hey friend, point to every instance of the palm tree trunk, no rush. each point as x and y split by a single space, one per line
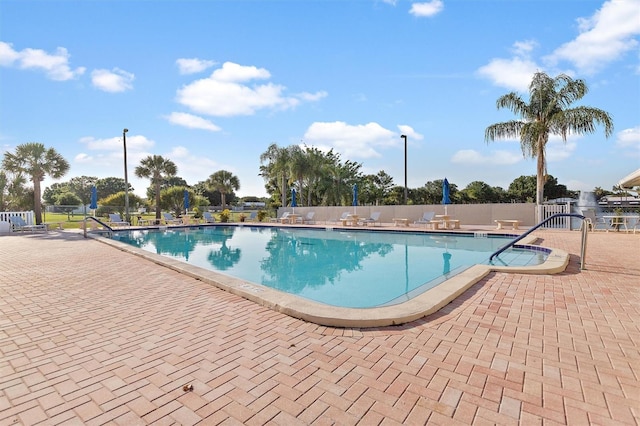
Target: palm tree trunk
37 205
541 171
283 195
158 209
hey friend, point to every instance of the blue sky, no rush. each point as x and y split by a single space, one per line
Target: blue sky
211 84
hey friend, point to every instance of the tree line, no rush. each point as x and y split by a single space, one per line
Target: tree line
32 162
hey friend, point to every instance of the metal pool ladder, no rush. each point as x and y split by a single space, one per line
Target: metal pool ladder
584 228
109 229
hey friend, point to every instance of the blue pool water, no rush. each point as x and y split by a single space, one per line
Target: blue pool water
356 269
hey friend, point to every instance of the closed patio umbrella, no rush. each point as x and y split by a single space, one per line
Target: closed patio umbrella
94 199
186 201
445 194
294 201
355 197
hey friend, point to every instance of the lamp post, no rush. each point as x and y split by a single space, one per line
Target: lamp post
405 168
126 178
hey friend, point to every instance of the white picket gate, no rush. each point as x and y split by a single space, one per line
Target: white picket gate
547 210
28 217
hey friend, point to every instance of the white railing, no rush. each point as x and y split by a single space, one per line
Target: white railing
547 210
28 217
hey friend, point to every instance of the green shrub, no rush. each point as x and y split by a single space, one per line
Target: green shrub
262 214
225 215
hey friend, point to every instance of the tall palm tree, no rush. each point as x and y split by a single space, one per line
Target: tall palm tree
299 167
34 160
156 167
276 169
547 113
224 182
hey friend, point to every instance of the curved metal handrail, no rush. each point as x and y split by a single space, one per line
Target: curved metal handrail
100 222
584 235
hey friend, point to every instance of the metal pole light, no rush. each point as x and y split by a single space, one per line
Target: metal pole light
126 177
405 168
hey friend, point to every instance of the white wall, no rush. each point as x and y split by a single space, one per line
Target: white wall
468 214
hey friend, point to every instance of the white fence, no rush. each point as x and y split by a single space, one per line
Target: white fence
547 210
28 217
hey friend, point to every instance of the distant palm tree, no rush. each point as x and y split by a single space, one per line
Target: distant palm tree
223 182
276 169
155 167
547 113
36 161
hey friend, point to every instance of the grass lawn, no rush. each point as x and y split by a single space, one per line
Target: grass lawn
75 221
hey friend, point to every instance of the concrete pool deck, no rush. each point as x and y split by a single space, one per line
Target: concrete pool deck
93 335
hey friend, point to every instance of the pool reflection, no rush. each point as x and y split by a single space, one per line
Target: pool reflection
295 263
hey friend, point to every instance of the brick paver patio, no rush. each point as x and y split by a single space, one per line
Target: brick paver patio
92 335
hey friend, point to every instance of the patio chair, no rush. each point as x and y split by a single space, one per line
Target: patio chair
116 220
426 219
208 217
308 219
374 218
252 217
342 218
282 219
18 224
593 220
170 219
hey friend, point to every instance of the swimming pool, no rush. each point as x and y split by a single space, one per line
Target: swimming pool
348 269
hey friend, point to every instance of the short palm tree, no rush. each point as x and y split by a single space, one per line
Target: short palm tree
156 167
547 113
223 182
34 160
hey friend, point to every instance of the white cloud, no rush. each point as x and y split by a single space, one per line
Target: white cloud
227 93
312 97
134 143
83 158
514 73
603 38
353 141
231 72
427 9
629 138
191 121
113 81
193 65
557 150
470 156
194 168
55 66
411 134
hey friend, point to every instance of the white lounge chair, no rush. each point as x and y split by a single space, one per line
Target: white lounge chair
307 219
208 217
593 221
374 218
116 220
426 219
342 218
19 224
282 219
169 219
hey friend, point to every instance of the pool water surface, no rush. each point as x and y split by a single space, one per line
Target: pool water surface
353 269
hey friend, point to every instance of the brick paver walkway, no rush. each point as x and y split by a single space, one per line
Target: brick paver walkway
92 335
